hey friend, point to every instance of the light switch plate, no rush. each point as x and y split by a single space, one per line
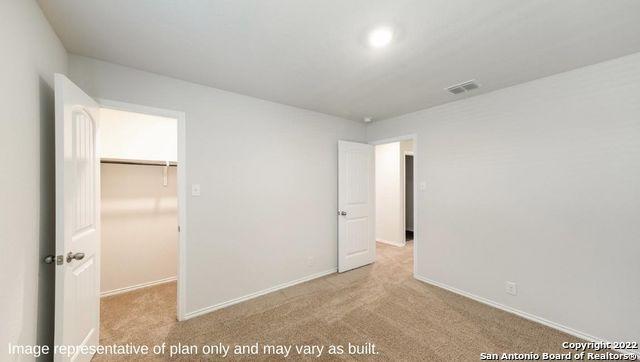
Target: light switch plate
423 186
195 190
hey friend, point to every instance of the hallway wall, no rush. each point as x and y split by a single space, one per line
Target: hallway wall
390 193
389 205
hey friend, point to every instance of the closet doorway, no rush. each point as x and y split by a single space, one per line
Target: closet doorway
142 212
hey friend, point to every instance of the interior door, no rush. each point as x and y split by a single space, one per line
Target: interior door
77 309
356 208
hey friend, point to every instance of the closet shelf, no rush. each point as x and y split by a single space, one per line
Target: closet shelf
138 162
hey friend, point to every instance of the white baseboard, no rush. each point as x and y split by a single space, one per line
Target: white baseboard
520 313
214 307
394 243
137 286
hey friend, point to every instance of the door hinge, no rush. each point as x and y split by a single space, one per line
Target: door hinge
178 228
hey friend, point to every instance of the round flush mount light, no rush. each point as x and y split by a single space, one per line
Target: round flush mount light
380 37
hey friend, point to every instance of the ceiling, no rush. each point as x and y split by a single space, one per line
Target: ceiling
313 54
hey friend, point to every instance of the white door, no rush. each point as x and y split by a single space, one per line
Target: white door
77 308
356 208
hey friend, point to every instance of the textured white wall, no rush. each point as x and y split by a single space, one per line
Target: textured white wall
135 136
139 218
389 205
390 201
268 174
31 54
537 184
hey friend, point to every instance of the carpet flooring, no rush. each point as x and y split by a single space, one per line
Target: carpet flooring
381 304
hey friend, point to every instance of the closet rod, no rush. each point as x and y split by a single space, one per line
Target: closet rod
135 162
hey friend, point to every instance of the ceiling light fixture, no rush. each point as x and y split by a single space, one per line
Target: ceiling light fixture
380 37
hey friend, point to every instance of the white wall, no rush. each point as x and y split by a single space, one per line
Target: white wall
139 218
537 184
136 136
30 54
390 201
268 177
389 205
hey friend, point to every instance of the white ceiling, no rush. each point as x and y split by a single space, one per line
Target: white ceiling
313 54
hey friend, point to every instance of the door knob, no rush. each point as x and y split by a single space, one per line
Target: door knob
342 213
74 256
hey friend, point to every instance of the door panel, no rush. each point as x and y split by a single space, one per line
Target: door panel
356 239
77 309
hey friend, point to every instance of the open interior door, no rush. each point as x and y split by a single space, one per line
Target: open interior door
77 309
356 205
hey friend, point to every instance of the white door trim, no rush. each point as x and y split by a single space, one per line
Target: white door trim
409 137
404 187
182 187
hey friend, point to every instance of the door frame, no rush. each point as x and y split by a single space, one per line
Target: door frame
408 137
405 154
181 184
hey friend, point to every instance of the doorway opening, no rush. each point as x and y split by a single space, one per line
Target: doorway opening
142 208
395 198
408 195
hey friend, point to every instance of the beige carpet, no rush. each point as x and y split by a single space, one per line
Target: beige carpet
381 304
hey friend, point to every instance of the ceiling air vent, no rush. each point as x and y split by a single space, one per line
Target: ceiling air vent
463 87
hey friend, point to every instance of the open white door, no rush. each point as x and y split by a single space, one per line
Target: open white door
77 309
356 208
